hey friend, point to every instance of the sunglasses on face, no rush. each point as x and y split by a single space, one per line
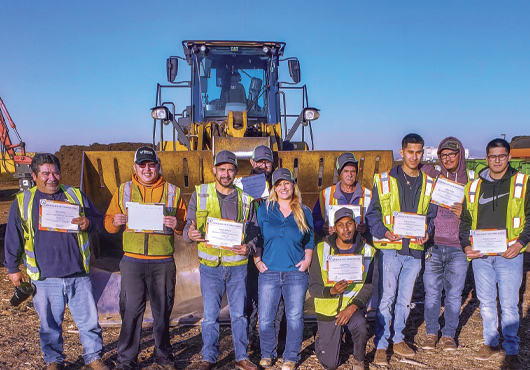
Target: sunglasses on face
149 165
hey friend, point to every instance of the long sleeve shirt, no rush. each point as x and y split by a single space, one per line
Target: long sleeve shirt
229 209
283 243
57 253
317 289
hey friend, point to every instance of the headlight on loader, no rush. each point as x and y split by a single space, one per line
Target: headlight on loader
160 113
311 114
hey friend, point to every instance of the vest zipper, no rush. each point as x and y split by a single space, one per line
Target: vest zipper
146 244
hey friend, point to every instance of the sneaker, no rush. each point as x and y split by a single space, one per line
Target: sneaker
429 342
486 352
288 365
512 362
403 350
265 362
380 357
357 365
447 344
96 365
54 366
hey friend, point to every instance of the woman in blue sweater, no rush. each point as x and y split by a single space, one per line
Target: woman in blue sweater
287 230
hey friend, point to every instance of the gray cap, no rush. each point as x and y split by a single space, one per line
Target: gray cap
225 156
145 154
262 152
282 174
450 144
344 159
344 212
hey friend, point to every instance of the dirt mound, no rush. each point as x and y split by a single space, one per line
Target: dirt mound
71 157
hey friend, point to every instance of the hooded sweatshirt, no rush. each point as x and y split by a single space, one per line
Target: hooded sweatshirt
446 224
493 207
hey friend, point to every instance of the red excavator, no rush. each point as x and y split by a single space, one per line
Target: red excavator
16 152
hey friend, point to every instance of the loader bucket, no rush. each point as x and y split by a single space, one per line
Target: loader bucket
103 172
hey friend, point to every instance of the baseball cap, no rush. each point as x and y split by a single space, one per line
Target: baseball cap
282 174
145 154
450 144
344 212
225 156
344 159
262 152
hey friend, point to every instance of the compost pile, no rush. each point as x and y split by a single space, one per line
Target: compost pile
71 156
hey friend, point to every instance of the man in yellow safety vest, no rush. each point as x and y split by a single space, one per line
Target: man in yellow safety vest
222 269
343 302
497 202
404 192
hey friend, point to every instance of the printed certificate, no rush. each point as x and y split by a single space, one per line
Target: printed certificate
255 186
409 225
447 192
57 216
145 217
225 234
357 211
347 267
491 242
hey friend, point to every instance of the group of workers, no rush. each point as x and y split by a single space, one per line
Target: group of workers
286 250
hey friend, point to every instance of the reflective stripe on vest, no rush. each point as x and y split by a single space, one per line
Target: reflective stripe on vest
25 205
327 198
149 244
208 206
388 191
330 306
515 217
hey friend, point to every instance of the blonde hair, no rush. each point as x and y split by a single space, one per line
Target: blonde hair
296 207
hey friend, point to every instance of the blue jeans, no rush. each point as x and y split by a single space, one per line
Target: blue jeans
214 282
292 285
397 275
507 274
445 269
50 300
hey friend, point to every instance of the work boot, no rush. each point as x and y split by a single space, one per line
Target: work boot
205 365
288 365
357 365
265 362
447 344
403 350
486 352
54 366
245 364
380 357
512 362
96 365
429 342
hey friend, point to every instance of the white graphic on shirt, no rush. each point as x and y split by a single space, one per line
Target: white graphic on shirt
483 200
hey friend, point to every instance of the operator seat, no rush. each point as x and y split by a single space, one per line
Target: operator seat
235 93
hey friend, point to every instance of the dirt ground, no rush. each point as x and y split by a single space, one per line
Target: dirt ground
20 349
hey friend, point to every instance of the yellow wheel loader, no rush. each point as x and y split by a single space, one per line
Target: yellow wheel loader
237 101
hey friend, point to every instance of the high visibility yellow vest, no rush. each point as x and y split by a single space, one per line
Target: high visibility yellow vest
326 198
144 243
25 207
515 218
208 206
332 306
387 188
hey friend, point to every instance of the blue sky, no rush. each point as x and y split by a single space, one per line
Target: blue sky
79 72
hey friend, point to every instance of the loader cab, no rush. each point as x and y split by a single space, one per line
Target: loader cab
234 78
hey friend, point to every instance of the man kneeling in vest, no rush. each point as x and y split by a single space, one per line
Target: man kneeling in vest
222 270
147 265
57 262
341 303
